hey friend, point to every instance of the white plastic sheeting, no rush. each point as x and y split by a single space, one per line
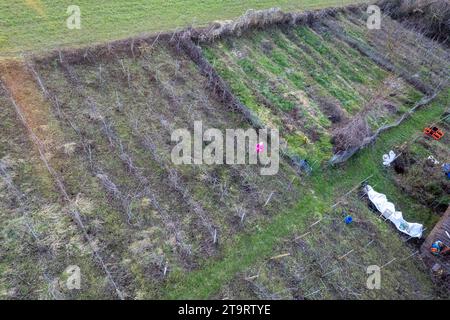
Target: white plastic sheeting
387 209
389 158
433 160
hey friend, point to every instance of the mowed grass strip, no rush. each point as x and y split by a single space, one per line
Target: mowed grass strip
249 248
40 25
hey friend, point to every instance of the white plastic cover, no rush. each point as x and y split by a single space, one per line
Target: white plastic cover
433 159
387 209
388 158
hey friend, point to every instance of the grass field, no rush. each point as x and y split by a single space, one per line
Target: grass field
86 177
249 250
41 24
289 79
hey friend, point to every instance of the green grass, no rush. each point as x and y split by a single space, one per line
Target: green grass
22 257
277 72
189 89
41 24
318 192
249 248
318 253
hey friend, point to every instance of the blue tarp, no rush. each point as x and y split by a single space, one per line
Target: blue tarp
446 169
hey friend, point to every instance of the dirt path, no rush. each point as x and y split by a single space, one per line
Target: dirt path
31 105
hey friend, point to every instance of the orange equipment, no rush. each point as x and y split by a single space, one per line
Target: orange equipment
434 132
